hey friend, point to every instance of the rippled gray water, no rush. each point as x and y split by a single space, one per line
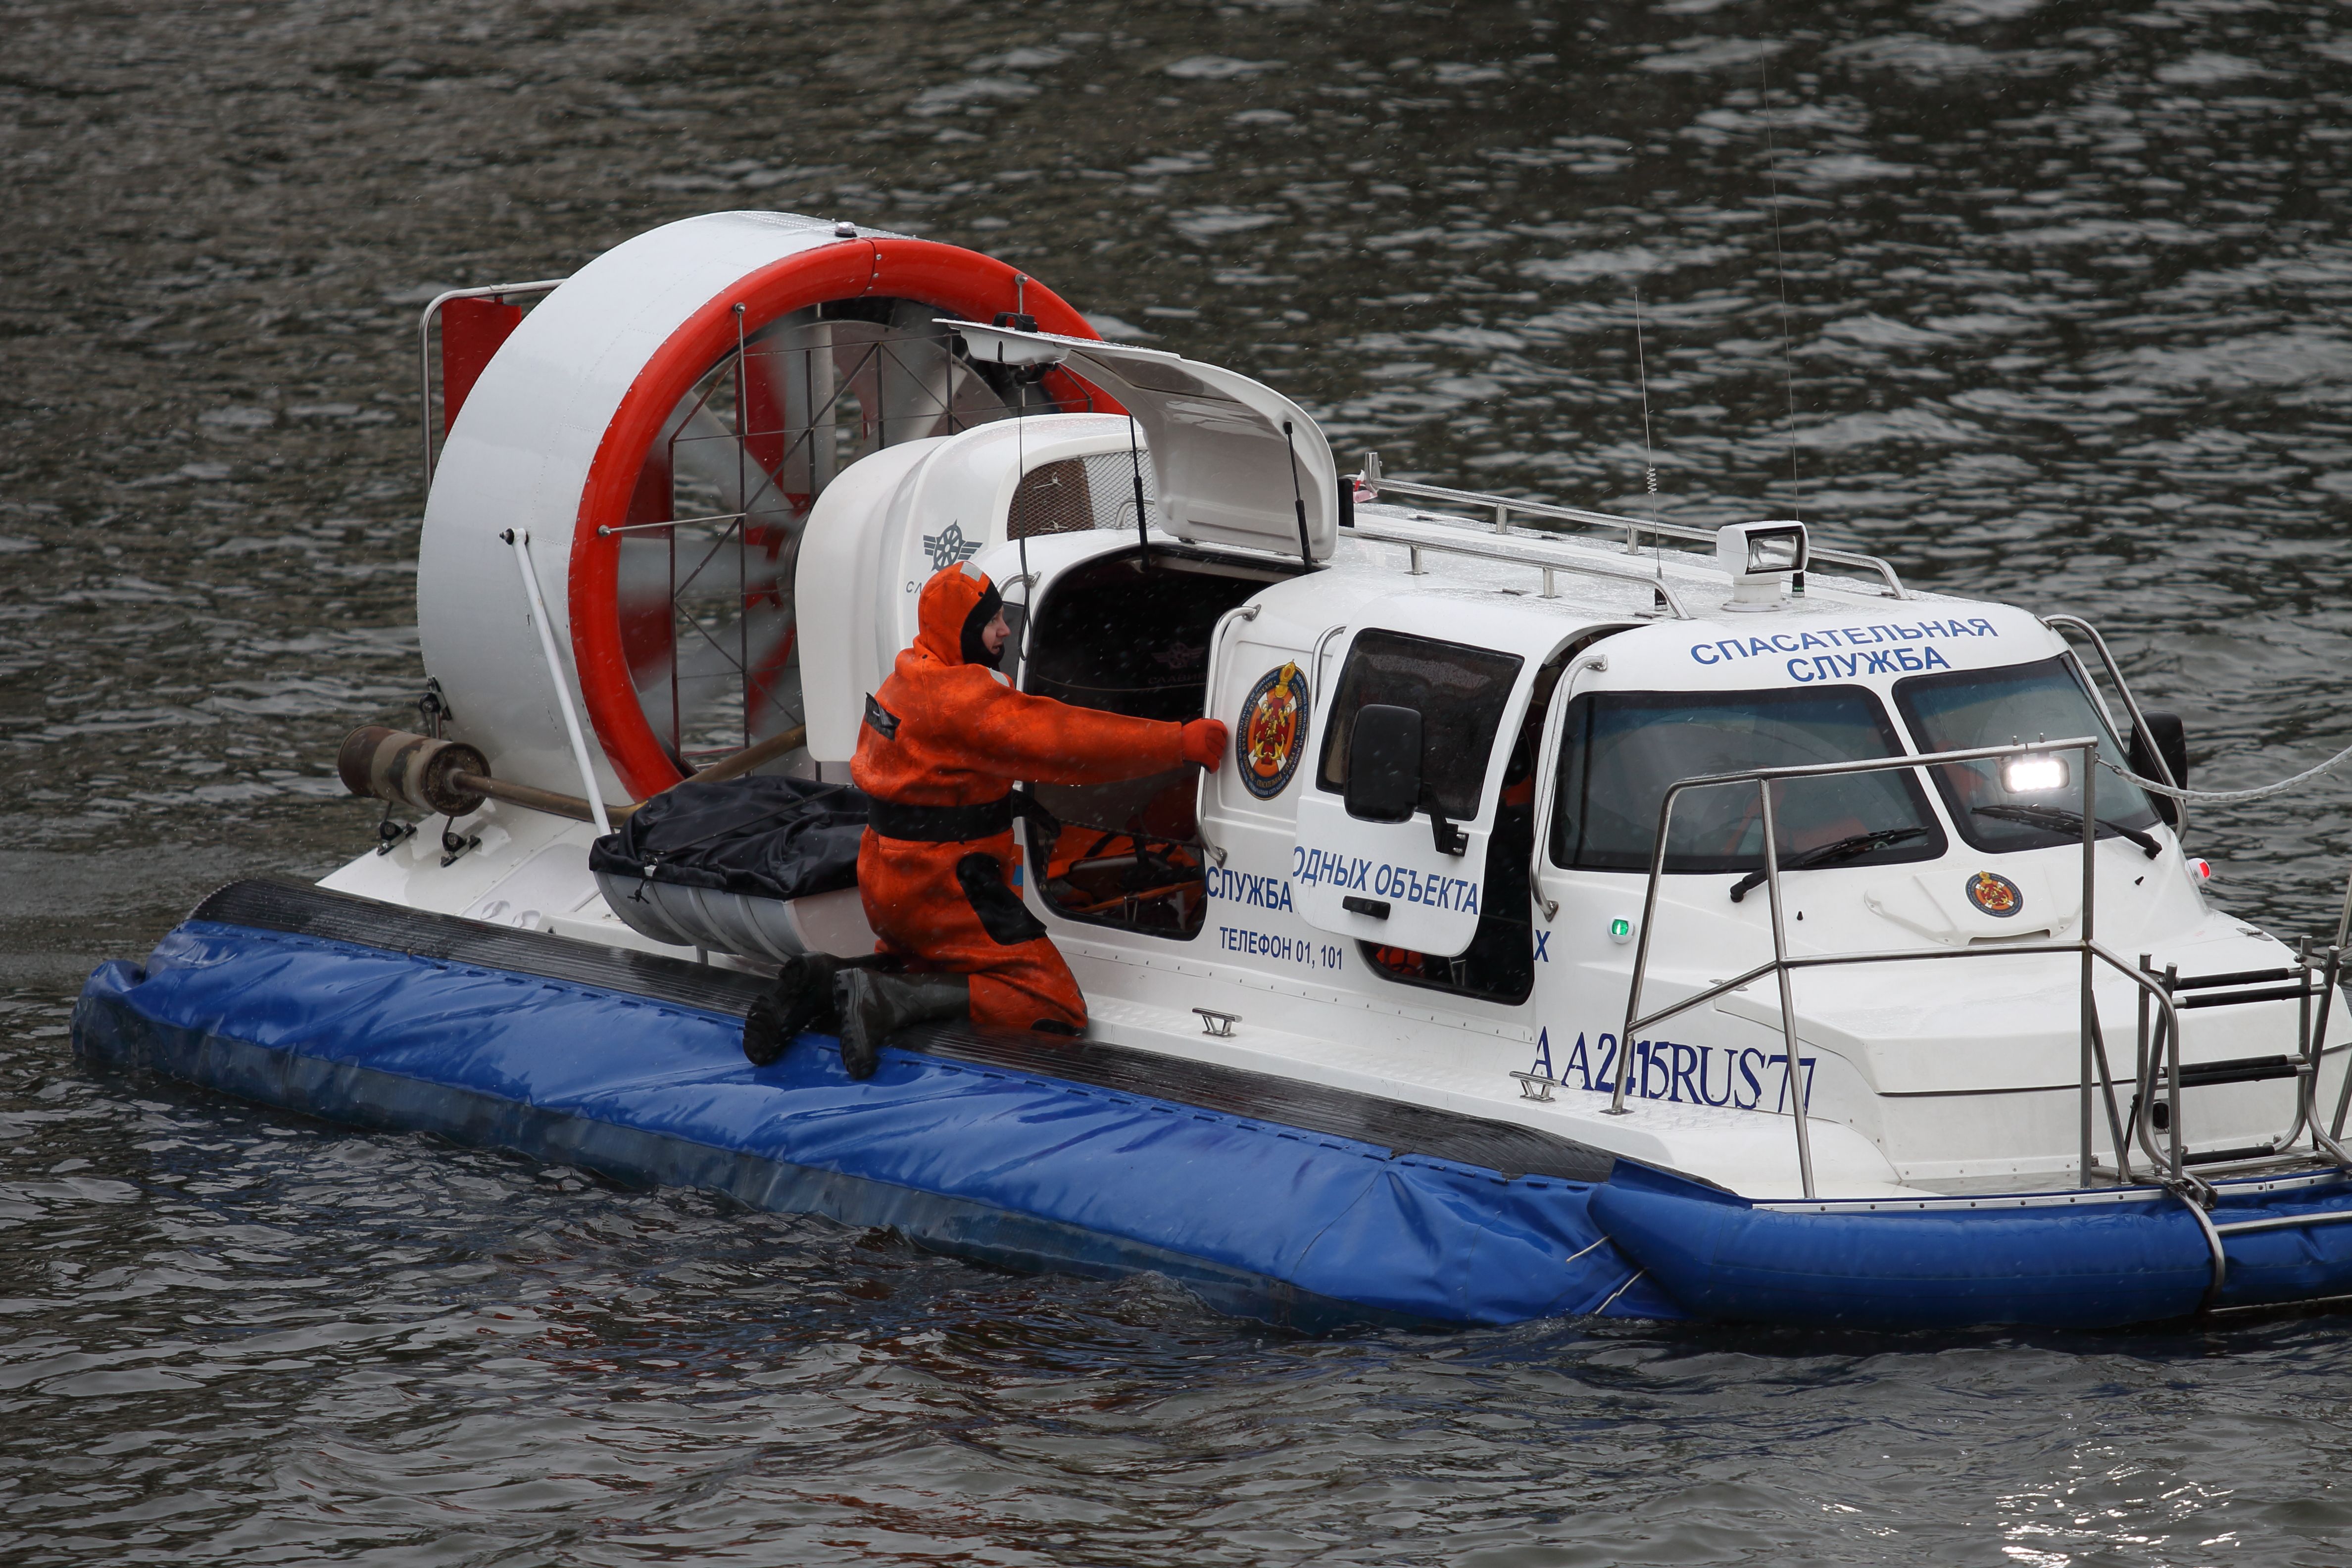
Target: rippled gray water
2066 288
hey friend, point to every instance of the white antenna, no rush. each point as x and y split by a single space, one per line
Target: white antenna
1781 271
1021 477
1649 457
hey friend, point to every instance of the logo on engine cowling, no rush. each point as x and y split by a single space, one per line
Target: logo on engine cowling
1995 894
949 547
1272 731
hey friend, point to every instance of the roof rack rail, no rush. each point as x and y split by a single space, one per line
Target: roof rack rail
1503 507
1452 538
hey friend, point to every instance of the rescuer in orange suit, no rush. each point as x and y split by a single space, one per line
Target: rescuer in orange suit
943 740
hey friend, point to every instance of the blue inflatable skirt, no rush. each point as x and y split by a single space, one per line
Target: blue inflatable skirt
2098 1259
1304 1205
495 1038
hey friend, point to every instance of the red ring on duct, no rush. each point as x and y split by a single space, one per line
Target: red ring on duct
949 279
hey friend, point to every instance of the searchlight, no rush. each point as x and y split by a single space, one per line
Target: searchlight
1761 558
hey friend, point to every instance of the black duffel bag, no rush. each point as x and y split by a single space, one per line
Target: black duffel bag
762 836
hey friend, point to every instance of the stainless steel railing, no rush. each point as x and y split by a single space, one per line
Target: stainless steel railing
1783 965
1550 559
424 350
2062 625
2313 978
1504 508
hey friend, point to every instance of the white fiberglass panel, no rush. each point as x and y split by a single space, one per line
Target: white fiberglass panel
1238 463
520 454
891 520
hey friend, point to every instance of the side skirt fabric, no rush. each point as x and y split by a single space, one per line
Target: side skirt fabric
2078 1265
1006 1166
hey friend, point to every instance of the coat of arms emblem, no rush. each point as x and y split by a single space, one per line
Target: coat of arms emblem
1994 894
1272 731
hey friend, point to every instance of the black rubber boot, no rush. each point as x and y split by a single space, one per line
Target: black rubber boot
873 1007
802 998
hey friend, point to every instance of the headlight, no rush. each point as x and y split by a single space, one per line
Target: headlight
2035 772
1776 550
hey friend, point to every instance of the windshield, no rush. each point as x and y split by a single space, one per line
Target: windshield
1460 693
1620 750
1970 708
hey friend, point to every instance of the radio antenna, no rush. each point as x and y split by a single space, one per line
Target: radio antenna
1649 457
1020 475
1781 271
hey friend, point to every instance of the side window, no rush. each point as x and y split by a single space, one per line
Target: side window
1460 692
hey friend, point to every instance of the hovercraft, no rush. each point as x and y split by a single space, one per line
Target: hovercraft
1595 916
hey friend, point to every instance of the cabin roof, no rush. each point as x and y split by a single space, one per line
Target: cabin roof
1591 578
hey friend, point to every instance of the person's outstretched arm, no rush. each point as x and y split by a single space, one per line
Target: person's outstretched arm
1036 737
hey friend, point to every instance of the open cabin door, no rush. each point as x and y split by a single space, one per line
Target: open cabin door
1406 761
1121 630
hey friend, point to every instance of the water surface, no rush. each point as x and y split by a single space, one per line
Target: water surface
2057 316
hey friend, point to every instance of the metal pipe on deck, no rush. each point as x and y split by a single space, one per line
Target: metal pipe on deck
450 778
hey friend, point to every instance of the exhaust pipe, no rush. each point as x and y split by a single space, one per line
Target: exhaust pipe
388 765
450 778
447 778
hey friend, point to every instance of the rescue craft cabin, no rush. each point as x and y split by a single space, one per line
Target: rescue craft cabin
1468 923
1318 943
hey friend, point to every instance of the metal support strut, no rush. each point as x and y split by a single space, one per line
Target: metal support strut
596 796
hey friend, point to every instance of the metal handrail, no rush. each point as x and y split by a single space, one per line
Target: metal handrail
424 350
2342 928
1781 965
2131 706
2311 1053
2171 1161
1417 541
1503 506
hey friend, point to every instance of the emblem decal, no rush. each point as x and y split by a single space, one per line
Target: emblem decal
949 547
1994 894
1273 735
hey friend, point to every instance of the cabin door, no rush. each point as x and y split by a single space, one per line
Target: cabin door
1121 633
1394 823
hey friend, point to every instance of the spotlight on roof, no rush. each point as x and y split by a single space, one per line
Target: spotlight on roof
1760 558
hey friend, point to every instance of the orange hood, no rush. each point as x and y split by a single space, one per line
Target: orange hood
955 607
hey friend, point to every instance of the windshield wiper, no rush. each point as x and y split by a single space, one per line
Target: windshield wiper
1852 849
2058 820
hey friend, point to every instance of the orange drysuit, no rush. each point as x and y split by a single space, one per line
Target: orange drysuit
942 743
